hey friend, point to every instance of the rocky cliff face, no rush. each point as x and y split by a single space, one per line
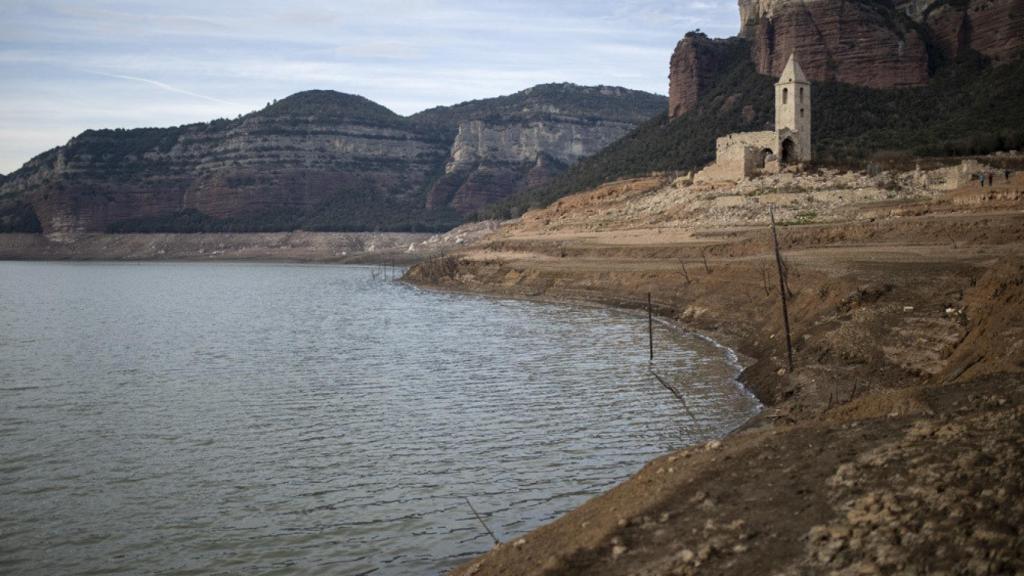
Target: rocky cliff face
308 152
321 160
871 43
490 161
695 63
866 43
994 28
505 146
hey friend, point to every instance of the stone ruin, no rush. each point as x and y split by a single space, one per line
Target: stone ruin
747 154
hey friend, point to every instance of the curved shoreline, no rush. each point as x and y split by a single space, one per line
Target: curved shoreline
742 362
865 322
734 358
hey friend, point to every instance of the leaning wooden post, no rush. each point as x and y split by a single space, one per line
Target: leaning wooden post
650 326
782 290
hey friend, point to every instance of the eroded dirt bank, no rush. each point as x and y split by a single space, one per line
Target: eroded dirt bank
894 446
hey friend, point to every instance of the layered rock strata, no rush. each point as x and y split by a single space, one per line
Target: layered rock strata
325 161
862 43
695 63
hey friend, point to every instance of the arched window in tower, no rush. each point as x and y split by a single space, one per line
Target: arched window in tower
801 112
801 95
785 95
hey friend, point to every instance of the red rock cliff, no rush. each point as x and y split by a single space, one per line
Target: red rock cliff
994 28
872 43
863 43
692 71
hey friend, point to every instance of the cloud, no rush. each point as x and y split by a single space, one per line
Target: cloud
167 87
176 61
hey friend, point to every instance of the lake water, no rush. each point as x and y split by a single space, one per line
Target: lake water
290 419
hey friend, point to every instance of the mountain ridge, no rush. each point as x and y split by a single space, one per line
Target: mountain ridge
318 160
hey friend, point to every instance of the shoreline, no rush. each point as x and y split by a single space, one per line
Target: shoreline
297 246
738 360
896 337
895 436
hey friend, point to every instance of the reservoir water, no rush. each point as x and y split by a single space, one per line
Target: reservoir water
291 419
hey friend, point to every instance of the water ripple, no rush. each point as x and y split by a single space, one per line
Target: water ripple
235 419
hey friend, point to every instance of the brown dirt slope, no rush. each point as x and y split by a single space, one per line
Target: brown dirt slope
893 447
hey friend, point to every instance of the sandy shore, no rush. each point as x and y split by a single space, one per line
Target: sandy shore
893 447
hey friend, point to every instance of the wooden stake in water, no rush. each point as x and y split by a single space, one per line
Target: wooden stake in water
481 520
650 325
782 290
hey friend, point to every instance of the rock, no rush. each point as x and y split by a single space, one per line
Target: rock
866 44
862 568
619 550
922 429
492 159
693 71
993 27
707 504
687 555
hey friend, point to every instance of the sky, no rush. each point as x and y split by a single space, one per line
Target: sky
67 66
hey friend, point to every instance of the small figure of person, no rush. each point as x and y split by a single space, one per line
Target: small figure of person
981 179
1007 174
990 176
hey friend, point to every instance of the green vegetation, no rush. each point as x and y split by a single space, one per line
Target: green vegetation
801 218
598 102
328 105
18 216
969 108
118 144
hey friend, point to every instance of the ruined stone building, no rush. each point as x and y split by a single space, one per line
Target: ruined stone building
746 154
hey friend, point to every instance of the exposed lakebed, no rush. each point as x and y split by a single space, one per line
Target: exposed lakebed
248 418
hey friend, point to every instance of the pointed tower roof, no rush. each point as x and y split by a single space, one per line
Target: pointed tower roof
792 72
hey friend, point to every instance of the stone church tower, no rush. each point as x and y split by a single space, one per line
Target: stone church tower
747 154
793 114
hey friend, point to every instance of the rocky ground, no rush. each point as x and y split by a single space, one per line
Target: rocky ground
893 447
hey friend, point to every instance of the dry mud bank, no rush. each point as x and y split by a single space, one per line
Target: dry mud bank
895 445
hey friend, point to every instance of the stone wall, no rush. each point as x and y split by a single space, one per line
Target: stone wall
726 145
738 156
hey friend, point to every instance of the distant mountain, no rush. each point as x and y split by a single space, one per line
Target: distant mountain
513 144
599 102
319 160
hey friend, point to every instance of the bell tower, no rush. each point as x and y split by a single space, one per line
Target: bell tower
793 114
